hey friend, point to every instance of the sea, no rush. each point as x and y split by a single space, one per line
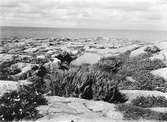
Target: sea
7 32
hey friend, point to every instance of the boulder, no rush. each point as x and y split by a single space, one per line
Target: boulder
162 72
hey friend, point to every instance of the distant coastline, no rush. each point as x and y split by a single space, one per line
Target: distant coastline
47 32
109 29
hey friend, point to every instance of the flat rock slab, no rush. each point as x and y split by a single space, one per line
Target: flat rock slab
7 86
159 109
79 110
138 51
160 73
88 58
162 45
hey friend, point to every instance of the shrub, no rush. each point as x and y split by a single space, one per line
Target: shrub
21 104
153 49
65 57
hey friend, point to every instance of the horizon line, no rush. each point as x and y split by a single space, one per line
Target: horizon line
81 28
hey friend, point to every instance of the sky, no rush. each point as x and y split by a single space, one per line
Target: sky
105 14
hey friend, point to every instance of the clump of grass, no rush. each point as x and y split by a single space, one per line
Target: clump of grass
150 101
86 82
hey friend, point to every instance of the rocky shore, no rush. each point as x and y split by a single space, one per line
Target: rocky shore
20 59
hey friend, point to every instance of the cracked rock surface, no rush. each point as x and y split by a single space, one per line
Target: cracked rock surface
67 109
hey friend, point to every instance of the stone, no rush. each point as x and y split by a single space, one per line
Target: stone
41 57
162 72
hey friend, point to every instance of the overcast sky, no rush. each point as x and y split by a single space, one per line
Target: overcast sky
107 14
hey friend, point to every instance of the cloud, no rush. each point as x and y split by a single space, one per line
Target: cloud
119 14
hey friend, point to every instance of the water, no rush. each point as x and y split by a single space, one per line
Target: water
35 32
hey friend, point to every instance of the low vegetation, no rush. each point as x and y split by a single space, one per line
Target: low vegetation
139 108
153 49
85 83
150 101
139 69
132 112
101 81
21 104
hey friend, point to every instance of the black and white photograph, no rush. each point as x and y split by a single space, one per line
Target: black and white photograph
83 60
